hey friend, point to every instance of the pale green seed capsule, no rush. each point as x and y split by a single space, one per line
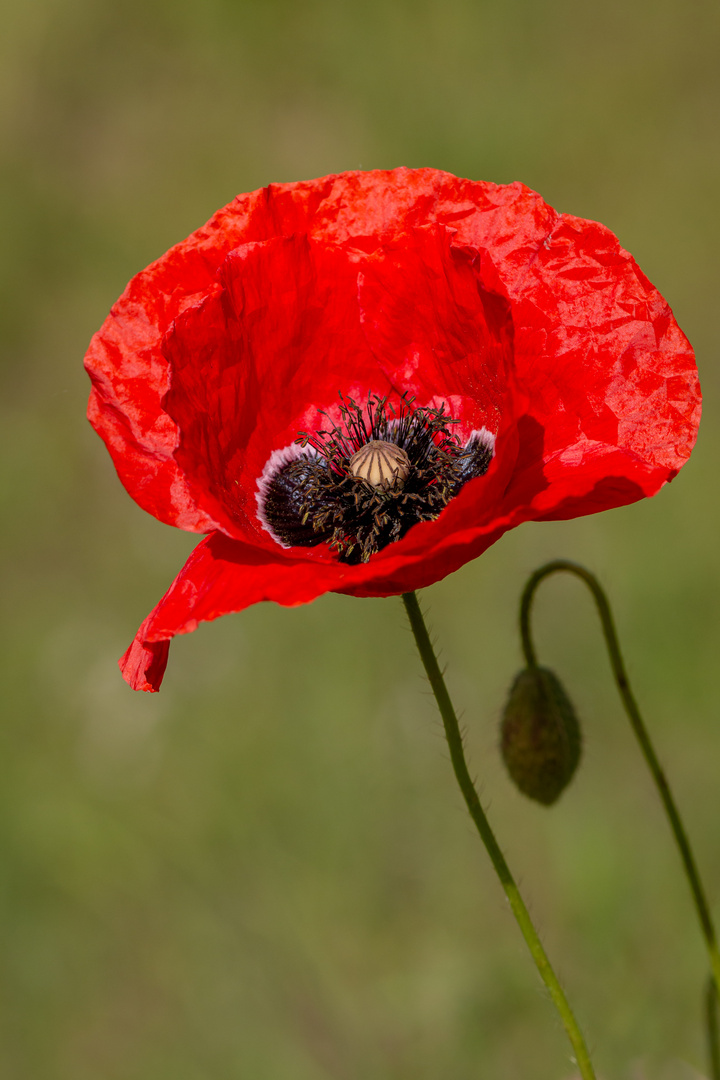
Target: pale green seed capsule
380 463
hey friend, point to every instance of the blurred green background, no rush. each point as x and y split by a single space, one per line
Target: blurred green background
265 871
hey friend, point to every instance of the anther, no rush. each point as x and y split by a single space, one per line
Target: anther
380 463
364 482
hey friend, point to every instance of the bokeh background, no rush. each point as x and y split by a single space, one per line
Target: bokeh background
265 872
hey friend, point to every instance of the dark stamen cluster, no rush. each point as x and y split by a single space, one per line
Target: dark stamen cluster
315 498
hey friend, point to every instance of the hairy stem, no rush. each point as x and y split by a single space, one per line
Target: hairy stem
517 905
712 1027
648 752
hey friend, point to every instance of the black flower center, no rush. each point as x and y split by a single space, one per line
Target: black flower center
362 484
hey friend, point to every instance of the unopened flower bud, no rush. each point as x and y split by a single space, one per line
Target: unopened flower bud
540 735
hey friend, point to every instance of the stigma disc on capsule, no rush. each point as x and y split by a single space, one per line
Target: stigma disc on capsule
380 463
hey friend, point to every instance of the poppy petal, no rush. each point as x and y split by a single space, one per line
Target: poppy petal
220 577
478 297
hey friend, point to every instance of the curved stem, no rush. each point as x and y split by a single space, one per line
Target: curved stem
517 905
636 722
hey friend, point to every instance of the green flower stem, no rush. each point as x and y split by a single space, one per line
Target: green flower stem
651 759
457 756
712 1027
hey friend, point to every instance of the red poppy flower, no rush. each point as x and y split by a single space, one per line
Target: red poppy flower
357 384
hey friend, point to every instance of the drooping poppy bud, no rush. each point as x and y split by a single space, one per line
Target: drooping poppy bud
540 735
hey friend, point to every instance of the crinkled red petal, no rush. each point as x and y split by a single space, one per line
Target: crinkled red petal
221 576
435 331
481 296
252 367
575 295
125 359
